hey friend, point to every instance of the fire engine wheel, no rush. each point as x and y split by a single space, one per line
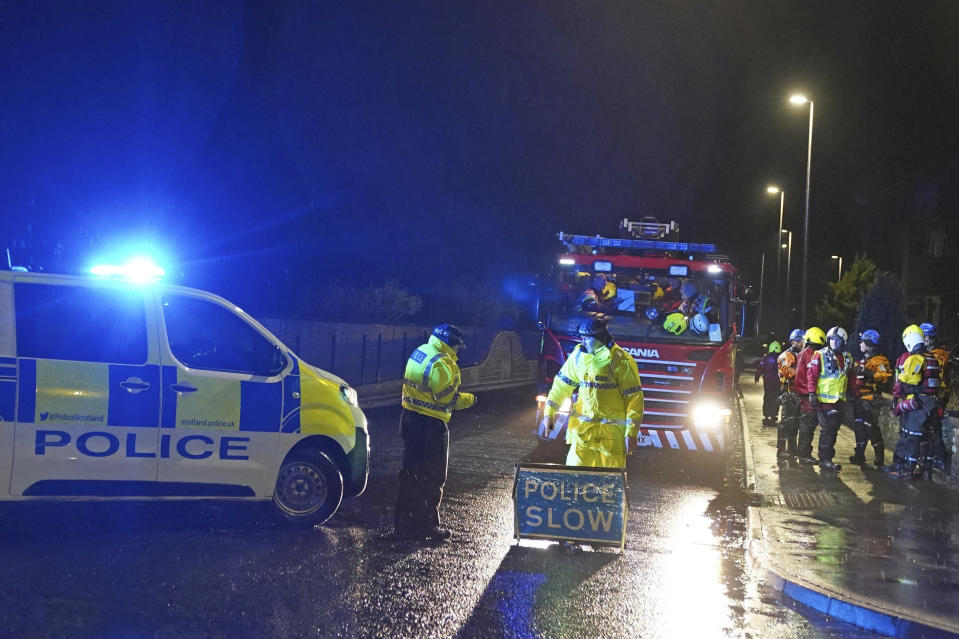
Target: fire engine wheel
309 488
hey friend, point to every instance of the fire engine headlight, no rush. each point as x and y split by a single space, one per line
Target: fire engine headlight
565 407
349 395
710 415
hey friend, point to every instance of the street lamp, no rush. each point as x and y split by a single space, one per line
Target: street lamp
800 100
772 190
838 257
789 256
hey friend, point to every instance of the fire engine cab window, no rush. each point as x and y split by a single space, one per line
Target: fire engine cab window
208 336
80 323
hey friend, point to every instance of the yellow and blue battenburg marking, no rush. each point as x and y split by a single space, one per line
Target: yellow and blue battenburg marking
8 388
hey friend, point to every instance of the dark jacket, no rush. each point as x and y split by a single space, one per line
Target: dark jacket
769 370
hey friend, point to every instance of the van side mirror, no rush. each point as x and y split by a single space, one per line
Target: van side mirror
273 362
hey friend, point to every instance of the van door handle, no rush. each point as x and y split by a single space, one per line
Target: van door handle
183 388
134 385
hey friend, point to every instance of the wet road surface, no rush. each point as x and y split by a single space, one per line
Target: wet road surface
165 569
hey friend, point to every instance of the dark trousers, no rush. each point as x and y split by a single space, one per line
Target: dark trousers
830 418
913 426
807 428
789 423
770 400
866 424
423 475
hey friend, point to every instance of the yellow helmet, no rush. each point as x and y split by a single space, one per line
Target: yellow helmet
912 337
676 323
815 335
609 291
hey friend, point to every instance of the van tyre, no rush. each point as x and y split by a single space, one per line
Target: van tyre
309 488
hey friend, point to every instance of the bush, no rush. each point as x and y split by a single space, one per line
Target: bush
339 302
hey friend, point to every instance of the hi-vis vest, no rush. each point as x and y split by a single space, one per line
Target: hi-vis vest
832 377
922 372
432 380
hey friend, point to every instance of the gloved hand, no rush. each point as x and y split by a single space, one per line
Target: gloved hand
908 405
814 402
550 423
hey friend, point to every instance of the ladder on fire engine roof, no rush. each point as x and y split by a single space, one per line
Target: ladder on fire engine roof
599 244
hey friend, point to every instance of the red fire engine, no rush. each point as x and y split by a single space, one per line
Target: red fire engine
676 307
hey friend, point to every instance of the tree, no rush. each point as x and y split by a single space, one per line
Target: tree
840 305
883 309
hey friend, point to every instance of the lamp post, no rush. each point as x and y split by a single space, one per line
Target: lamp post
772 190
789 255
799 100
838 257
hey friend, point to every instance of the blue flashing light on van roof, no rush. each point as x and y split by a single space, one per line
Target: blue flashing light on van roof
139 269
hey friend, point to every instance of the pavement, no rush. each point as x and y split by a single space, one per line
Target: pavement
856 545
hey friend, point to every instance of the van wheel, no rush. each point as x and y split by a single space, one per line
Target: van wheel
309 488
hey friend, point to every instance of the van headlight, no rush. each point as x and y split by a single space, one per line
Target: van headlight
710 415
349 395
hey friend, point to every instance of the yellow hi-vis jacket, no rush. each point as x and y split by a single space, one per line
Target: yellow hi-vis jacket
432 380
608 408
833 375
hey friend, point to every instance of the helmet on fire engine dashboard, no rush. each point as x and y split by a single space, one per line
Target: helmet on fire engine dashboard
699 324
676 323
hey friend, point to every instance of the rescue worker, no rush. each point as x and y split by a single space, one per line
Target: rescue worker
430 395
936 454
599 296
609 402
872 370
769 371
815 339
829 376
914 401
789 399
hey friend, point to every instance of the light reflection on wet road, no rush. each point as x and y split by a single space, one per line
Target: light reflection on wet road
226 570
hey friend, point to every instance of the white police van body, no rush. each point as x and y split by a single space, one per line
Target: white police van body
115 390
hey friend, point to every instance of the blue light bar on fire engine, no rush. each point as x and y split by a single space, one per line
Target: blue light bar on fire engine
607 242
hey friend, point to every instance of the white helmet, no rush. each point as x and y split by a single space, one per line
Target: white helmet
699 324
912 337
837 332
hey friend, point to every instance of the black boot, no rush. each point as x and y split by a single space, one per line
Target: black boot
859 455
828 464
880 451
901 471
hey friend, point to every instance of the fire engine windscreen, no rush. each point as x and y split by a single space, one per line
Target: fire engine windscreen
644 304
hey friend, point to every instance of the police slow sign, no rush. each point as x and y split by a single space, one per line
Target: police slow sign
570 503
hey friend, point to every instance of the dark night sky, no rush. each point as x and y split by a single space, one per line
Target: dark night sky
288 142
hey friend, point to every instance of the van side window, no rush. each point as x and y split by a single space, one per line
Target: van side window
80 323
208 336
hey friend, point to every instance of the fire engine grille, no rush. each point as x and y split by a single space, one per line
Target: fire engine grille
668 389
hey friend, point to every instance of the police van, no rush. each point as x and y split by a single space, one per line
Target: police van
111 389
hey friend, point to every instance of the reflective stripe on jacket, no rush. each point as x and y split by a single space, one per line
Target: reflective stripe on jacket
432 380
609 401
